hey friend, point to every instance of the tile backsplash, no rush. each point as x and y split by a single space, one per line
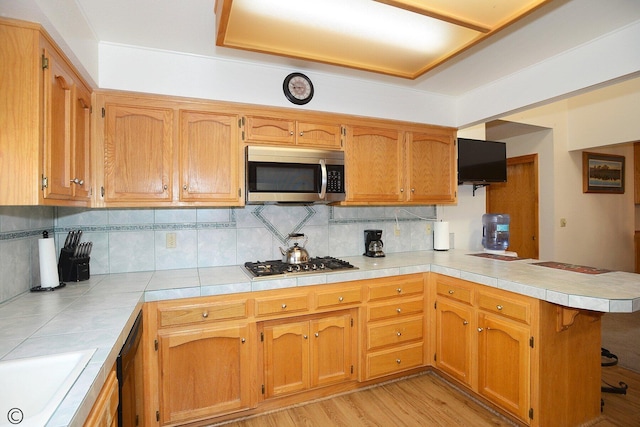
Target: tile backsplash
126 240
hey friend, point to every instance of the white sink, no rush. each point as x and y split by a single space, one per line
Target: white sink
32 388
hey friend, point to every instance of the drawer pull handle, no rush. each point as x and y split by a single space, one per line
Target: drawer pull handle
398 361
399 290
399 334
451 291
284 306
499 307
340 299
398 310
205 314
480 329
465 323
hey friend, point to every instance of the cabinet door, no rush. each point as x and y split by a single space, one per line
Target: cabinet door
319 135
286 358
374 159
59 93
331 350
431 167
81 153
454 335
504 363
204 372
138 144
209 157
269 130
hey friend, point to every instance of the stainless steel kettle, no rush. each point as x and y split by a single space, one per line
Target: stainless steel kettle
295 254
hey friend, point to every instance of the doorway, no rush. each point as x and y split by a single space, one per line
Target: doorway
518 197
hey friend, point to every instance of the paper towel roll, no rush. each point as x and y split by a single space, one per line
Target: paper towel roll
48 266
441 236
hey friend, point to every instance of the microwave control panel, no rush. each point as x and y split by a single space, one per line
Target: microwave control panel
335 179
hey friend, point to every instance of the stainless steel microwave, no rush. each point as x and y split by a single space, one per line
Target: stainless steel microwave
294 175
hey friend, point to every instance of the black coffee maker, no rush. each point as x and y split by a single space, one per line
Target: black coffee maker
373 243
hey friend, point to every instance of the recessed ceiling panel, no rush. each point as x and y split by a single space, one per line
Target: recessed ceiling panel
403 38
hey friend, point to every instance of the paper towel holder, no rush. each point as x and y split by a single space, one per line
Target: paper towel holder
45 235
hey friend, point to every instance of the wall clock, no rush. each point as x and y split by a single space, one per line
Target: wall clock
298 88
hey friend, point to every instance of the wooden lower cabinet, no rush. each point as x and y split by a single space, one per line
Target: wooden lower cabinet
300 354
537 361
205 371
105 411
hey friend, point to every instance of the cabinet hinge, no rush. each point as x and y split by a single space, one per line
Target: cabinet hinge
239 192
242 135
137 419
102 191
91 109
104 112
531 342
531 413
262 338
352 323
262 388
157 415
45 62
155 344
435 357
435 305
352 369
45 182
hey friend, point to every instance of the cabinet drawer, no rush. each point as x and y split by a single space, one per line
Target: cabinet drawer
395 360
510 307
403 307
454 291
397 287
344 296
282 305
391 333
201 313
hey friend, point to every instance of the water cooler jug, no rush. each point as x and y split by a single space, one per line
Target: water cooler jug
495 232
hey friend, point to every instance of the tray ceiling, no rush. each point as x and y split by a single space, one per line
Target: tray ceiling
403 38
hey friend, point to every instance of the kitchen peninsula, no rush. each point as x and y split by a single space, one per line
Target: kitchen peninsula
99 313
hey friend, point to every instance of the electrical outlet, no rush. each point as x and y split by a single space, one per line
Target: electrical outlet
428 228
171 240
396 230
563 222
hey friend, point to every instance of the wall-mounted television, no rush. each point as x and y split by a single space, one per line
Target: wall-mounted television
481 162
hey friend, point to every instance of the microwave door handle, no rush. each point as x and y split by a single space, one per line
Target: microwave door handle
323 188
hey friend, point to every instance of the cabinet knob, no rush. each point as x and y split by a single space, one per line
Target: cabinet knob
205 314
465 323
398 361
480 329
164 187
243 340
340 299
499 307
399 290
184 187
398 310
77 181
399 333
413 190
301 133
402 190
284 306
291 133
305 337
317 334
451 291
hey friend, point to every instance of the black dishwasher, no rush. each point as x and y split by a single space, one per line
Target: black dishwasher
129 377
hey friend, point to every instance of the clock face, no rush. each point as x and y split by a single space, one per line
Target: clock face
298 88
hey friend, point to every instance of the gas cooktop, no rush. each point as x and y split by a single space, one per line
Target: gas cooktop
314 265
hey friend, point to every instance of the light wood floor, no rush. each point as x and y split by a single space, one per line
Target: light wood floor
427 400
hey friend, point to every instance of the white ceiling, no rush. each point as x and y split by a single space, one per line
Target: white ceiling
189 26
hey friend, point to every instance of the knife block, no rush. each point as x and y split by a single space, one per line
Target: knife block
72 269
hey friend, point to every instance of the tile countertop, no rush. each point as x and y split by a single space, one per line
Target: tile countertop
98 313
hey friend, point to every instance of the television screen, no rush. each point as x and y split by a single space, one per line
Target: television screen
481 162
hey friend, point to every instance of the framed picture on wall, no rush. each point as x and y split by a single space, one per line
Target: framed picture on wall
602 173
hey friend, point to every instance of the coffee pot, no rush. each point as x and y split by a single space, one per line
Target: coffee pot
373 243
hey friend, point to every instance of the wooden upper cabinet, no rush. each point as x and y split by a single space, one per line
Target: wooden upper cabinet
138 143
430 160
45 136
373 158
280 130
209 157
